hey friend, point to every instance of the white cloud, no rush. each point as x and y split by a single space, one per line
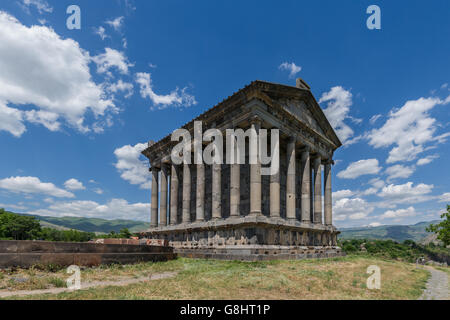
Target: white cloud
426 160
73 185
112 59
114 209
338 108
369 191
445 198
353 209
121 86
98 191
342 194
101 32
291 67
11 120
408 129
399 171
398 214
131 167
32 185
406 193
45 118
359 168
12 207
375 224
175 98
116 23
374 118
41 5
53 76
377 183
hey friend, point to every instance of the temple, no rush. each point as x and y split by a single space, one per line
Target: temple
232 211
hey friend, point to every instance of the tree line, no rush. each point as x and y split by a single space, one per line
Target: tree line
18 227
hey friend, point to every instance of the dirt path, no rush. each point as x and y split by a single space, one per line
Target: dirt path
125 282
437 286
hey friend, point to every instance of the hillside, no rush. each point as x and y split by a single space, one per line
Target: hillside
91 224
399 233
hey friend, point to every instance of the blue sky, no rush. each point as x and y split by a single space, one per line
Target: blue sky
77 106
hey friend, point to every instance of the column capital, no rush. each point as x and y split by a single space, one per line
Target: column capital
317 160
153 168
305 148
292 139
328 161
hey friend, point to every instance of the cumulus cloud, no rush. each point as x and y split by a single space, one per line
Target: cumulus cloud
131 167
445 197
406 193
32 185
353 209
112 59
374 118
360 168
342 194
175 98
121 86
40 5
398 214
73 185
98 191
53 77
291 67
426 160
101 32
399 171
338 109
408 129
116 23
114 209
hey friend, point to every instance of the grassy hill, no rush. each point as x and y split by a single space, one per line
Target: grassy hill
91 224
399 233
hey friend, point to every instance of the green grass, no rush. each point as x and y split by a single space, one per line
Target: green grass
338 278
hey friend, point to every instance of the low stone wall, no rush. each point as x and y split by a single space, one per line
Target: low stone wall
28 253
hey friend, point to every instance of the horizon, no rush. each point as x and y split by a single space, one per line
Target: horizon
73 131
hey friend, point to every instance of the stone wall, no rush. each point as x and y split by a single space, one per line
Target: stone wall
28 253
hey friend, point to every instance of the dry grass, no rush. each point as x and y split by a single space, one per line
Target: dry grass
340 278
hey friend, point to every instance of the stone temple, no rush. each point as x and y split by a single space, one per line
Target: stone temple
231 211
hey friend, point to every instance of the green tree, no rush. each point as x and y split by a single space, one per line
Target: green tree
442 229
18 227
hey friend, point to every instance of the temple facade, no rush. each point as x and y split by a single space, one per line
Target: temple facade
232 211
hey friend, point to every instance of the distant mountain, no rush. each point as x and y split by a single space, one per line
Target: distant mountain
91 224
398 233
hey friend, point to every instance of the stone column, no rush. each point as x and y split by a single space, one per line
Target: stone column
255 172
186 193
174 195
275 193
200 199
163 196
154 214
290 180
216 191
317 190
327 194
306 187
235 189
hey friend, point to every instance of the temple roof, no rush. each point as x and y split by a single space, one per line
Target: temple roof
268 90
